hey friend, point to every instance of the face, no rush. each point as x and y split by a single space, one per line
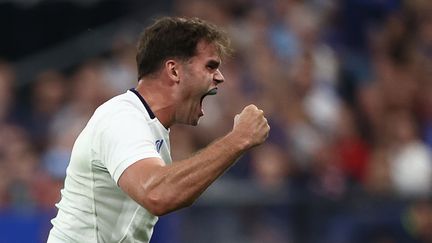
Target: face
199 77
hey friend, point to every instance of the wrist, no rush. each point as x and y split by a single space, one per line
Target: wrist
237 142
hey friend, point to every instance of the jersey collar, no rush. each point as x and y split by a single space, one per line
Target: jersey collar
150 112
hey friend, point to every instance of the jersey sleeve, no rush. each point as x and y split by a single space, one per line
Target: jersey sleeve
125 141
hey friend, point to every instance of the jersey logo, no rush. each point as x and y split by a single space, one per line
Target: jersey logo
159 144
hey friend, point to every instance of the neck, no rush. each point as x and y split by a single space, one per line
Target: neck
159 96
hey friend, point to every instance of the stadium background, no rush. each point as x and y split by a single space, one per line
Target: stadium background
346 85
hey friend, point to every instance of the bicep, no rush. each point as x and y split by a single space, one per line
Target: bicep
136 178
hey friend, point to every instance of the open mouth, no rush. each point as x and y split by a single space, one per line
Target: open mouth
210 92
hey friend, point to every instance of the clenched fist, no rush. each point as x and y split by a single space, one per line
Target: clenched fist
251 126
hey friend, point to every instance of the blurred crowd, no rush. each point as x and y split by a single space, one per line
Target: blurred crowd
345 85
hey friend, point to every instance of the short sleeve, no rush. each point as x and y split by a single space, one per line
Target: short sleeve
124 141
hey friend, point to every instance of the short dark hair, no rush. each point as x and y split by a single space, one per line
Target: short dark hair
176 37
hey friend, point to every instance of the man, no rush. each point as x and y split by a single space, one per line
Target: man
120 177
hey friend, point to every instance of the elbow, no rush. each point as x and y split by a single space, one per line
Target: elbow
159 205
155 204
157 211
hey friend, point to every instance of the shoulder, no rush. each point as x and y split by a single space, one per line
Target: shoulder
122 106
118 114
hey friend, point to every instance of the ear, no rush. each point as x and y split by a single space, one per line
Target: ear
172 70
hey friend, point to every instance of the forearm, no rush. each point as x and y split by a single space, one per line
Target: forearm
181 183
165 188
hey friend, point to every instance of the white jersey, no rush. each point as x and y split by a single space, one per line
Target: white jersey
93 208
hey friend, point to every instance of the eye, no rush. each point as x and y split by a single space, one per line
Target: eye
212 65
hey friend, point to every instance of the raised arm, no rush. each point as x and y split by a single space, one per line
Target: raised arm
164 188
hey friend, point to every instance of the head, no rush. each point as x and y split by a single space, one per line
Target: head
175 37
188 52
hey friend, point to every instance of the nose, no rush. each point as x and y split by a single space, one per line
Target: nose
218 77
